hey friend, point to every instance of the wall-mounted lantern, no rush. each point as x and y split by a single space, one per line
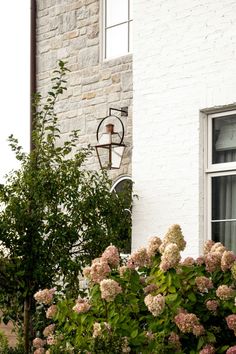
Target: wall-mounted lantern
110 135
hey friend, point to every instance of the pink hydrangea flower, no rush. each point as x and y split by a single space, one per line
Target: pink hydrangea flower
173 235
174 340
139 258
82 305
188 262
203 284
213 261
212 305
99 270
111 256
231 350
153 246
186 322
218 247
39 351
231 322
198 330
51 311
38 343
45 296
208 246
49 330
200 260
109 289
51 340
155 304
227 260
208 349
170 257
225 292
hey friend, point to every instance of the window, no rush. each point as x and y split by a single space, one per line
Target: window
221 178
117 28
122 188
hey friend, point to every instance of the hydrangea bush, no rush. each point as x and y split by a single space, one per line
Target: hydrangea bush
154 303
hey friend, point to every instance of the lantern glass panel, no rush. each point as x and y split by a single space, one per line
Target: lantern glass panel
116 156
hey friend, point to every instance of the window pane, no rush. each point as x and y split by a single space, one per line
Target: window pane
224 197
224 139
225 232
117 41
116 12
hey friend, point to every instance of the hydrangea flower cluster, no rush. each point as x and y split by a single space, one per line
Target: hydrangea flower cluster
212 306
153 246
49 330
111 256
224 292
231 322
188 323
173 235
109 289
51 311
163 284
227 260
203 284
139 258
170 257
82 305
208 349
98 271
155 304
45 296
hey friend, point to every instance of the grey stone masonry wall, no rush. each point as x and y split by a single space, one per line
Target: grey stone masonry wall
70 30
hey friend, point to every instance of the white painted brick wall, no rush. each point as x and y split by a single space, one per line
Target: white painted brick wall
184 61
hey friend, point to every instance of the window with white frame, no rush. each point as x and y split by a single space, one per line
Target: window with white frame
117 29
221 177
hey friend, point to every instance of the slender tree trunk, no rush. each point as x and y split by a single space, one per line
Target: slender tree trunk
27 305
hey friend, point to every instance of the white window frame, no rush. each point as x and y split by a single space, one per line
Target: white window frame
103 29
213 170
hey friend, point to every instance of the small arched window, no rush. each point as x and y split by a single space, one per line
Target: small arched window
122 188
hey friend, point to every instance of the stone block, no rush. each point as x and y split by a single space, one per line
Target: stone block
88 95
93 31
88 57
127 81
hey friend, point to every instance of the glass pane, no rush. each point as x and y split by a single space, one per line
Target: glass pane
224 139
116 155
116 12
225 232
224 197
117 41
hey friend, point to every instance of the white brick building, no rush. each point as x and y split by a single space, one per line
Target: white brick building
184 61
184 72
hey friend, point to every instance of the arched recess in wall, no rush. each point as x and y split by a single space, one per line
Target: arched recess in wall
122 187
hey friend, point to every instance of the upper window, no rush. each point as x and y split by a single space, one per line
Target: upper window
117 28
221 173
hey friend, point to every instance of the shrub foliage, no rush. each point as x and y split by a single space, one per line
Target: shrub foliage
155 303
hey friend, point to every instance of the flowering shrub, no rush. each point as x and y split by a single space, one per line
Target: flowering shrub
155 303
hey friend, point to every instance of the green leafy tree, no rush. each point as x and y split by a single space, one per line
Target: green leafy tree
55 215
